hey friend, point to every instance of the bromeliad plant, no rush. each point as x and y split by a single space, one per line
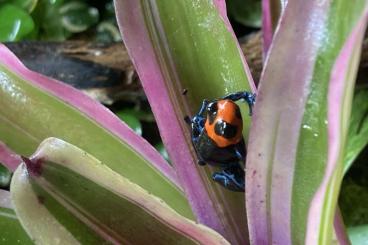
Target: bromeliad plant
96 181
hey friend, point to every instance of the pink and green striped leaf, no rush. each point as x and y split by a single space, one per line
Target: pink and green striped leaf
64 195
11 231
301 118
189 46
271 14
34 107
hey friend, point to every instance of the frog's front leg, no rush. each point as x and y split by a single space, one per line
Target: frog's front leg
249 97
198 121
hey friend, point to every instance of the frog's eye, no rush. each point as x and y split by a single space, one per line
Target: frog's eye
212 111
225 129
212 107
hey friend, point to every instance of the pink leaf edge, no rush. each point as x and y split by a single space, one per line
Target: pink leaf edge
136 38
335 104
90 108
267 31
10 159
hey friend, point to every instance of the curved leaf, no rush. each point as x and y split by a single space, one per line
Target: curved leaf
294 166
184 52
340 233
34 107
64 194
357 138
271 14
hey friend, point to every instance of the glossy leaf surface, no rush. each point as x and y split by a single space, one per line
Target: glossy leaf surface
15 23
64 194
294 164
247 12
184 52
5 176
34 107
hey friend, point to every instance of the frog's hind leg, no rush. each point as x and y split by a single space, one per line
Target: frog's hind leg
231 178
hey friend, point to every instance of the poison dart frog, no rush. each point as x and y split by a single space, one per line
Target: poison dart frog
218 140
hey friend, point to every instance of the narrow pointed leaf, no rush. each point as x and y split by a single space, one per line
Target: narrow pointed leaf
340 233
271 14
64 195
11 231
358 129
295 159
34 107
184 52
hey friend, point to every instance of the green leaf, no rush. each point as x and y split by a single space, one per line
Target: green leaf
358 235
15 23
357 137
78 16
185 52
27 5
300 124
34 107
64 194
5 176
10 227
132 121
161 148
48 21
247 12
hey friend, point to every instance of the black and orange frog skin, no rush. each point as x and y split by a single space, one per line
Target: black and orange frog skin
218 140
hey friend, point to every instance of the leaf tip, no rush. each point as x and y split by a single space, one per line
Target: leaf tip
34 167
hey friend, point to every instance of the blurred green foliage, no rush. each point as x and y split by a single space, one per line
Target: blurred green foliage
354 190
57 20
5 177
246 12
358 128
131 119
358 235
